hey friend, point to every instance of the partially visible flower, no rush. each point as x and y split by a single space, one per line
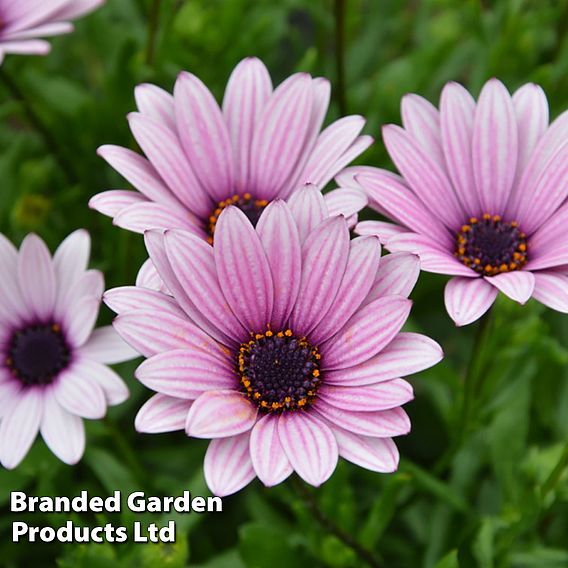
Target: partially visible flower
482 197
282 344
53 367
200 158
23 22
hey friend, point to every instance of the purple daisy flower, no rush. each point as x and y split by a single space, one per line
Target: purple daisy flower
282 344
261 145
482 195
22 22
53 367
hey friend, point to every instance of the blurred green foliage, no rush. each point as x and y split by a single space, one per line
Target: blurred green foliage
492 506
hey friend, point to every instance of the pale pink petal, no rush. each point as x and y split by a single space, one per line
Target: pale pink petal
494 146
309 445
243 270
36 275
426 177
186 373
12 307
550 235
109 203
324 258
127 298
406 354
71 259
381 424
220 414
345 201
204 136
457 110
148 277
467 299
382 229
162 147
279 136
9 390
193 263
45 30
269 460
376 454
552 290
517 285
79 392
77 8
371 329
380 396
397 274
80 320
162 413
227 465
106 346
19 427
157 103
354 151
29 47
279 237
248 89
362 265
114 388
63 432
308 208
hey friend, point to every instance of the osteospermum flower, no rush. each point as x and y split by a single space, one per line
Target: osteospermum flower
53 367
281 344
482 197
261 145
22 22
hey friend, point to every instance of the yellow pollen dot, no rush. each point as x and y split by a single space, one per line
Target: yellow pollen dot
477 261
503 268
55 328
488 268
486 216
473 220
522 247
496 218
465 228
316 373
247 196
269 333
288 333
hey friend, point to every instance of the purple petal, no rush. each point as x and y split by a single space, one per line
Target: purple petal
243 270
227 466
204 135
148 277
467 299
353 152
156 103
494 146
186 373
127 298
362 265
398 273
327 248
308 208
309 445
110 203
406 354
345 201
269 459
63 432
552 290
247 92
371 329
220 414
162 413
382 229
516 285
279 237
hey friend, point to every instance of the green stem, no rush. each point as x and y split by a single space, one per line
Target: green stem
125 450
556 474
35 120
153 22
339 13
328 525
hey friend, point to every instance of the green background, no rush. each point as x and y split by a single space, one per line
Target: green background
496 503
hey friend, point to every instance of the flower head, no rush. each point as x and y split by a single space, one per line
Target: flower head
53 367
482 195
282 344
200 158
22 23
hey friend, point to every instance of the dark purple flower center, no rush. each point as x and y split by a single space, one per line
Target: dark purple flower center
279 371
37 353
491 246
252 208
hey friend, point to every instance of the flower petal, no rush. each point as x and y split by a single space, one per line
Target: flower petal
406 354
186 373
279 237
156 103
106 346
227 465
220 414
19 427
308 208
345 201
494 146
518 285
71 259
371 329
382 229
243 270
12 307
62 431
309 445
552 290
110 203
80 320
326 248
162 413
114 388
398 273
269 460
467 299
127 298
